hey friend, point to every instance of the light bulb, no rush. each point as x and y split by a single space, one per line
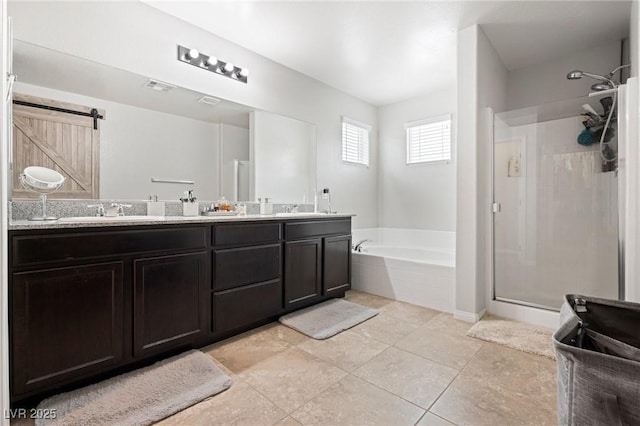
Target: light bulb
244 72
228 67
211 62
193 54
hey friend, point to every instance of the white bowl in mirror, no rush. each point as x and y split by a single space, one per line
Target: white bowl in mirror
42 178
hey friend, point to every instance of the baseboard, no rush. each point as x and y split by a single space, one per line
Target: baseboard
469 316
536 316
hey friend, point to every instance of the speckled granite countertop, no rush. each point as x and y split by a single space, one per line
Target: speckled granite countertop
91 222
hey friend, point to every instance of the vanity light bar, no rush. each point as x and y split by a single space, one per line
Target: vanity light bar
211 63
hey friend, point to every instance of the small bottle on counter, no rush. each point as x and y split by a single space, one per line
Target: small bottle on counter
266 207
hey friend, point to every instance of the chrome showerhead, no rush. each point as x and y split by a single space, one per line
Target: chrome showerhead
574 75
601 86
607 82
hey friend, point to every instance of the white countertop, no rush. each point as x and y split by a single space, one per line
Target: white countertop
91 222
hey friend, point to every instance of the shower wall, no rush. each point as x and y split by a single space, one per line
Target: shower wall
556 232
546 82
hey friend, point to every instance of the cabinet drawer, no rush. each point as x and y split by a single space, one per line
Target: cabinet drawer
241 266
245 234
31 249
316 228
238 307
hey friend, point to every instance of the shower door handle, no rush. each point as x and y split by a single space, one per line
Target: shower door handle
496 208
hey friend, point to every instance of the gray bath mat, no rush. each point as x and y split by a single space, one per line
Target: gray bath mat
140 397
328 318
517 335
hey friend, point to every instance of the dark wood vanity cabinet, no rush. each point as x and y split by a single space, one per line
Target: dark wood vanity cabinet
336 252
247 275
91 301
85 302
303 272
317 261
170 306
66 323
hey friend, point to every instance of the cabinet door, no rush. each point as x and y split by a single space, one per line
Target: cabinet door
170 302
302 272
336 276
67 323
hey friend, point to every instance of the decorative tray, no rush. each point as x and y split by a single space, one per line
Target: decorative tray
219 213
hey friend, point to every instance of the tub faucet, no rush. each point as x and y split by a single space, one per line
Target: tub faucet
358 246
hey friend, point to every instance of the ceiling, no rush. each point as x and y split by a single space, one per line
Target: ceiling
388 51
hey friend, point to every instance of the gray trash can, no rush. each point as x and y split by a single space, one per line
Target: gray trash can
598 357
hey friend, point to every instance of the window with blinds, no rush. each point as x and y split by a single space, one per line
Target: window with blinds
355 141
429 140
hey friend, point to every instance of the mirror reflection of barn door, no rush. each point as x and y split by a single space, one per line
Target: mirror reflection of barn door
63 141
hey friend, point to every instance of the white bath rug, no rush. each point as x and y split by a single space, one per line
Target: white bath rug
517 335
140 397
328 318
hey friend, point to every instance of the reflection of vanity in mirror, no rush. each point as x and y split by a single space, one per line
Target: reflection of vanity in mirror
152 130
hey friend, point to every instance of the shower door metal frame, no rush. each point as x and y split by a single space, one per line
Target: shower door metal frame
620 175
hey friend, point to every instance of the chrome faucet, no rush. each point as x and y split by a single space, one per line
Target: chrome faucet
116 209
100 206
291 209
358 246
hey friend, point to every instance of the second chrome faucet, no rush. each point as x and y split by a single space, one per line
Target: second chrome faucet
114 209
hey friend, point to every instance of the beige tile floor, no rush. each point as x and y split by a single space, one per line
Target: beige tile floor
407 366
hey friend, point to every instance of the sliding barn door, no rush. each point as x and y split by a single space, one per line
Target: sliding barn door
67 143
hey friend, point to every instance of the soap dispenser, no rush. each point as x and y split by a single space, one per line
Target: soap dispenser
155 207
265 207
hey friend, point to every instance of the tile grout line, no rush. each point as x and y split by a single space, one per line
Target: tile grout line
454 379
389 392
438 362
288 414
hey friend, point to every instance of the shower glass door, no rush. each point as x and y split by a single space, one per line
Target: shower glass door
555 226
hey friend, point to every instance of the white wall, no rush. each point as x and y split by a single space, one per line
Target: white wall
482 83
4 190
279 152
466 174
634 39
234 145
137 144
492 96
547 82
630 168
141 39
416 196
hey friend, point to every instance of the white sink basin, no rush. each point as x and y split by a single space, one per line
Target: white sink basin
110 219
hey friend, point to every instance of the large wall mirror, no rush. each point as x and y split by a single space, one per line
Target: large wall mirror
152 138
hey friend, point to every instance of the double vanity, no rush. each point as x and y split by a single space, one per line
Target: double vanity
92 298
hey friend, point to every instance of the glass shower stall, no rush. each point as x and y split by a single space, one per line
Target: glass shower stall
555 222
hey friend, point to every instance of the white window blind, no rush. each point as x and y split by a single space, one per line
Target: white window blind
429 140
355 141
